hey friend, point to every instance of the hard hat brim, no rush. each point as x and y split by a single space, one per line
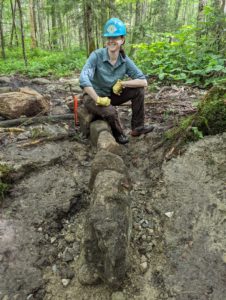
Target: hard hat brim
113 34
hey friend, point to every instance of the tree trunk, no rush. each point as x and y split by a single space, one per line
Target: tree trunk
136 24
218 30
41 18
1 31
54 28
61 29
89 28
32 25
177 10
13 10
22 32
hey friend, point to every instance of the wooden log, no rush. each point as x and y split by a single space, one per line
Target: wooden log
28 121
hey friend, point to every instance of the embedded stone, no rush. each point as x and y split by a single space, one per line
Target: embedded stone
96 128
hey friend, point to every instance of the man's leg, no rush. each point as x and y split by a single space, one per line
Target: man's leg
136 95
109 114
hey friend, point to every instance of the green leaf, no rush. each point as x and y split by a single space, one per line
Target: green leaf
161 76
190 80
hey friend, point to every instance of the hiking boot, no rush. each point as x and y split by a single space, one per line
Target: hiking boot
122 139
142 130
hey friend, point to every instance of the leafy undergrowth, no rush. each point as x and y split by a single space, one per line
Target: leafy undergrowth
43 63
180 58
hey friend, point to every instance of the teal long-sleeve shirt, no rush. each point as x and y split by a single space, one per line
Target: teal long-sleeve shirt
100 74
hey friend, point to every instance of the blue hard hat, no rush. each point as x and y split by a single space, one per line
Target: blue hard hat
114 27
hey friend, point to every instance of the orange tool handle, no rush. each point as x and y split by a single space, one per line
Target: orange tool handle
76 110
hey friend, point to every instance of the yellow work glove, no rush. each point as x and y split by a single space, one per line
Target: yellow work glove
117 87
103 101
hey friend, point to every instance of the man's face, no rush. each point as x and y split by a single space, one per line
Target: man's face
114 43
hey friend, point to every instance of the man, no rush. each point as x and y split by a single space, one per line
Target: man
102 81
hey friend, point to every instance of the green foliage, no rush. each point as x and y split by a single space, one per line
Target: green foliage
43 63
197 133
4 170
181 60
4 188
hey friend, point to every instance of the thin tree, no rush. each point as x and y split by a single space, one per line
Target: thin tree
13 29
32 25
22 32
1 31
89 28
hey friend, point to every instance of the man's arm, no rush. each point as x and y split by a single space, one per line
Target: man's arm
135 83
91 92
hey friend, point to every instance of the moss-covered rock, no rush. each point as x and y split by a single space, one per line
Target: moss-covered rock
209 119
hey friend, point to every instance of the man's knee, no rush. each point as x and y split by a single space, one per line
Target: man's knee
140 91
110 113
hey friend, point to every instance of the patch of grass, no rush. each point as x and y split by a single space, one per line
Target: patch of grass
4 170
42 63
38 132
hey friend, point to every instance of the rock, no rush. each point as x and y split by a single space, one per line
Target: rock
4 79
145 224
69 237
108 228
85 118
96 127
105 161
65 282
87 275
26 102
150 231
118 296
40 81
76 247
72 81
143 258
137 227
144 266
68 255
224 258
54 269
107 142
23 136
5 89
53 239
67 272
71 84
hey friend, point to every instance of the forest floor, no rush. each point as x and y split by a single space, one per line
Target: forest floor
178 241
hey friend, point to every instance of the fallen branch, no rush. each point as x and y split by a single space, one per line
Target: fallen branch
13 129
28 121
46 139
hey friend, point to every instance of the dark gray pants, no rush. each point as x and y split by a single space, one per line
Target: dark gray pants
110 114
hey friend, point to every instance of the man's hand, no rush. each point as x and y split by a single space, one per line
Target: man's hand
117 87
103 101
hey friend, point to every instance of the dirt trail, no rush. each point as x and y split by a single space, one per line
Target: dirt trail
178 239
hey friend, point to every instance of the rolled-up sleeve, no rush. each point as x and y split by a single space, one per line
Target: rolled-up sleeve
88 71
132 70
